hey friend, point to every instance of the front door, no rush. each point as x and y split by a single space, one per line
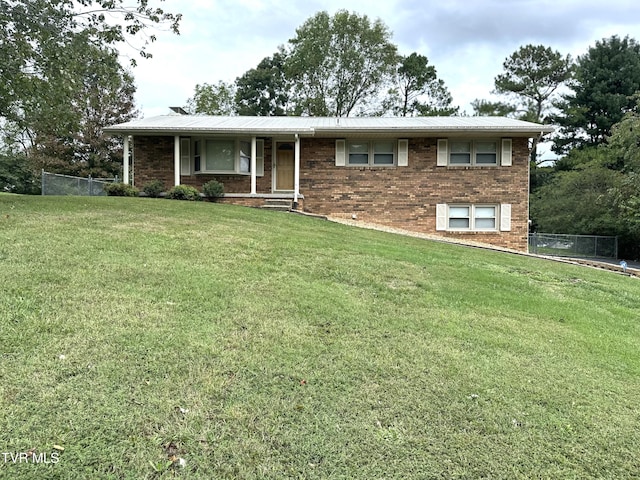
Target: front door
285 167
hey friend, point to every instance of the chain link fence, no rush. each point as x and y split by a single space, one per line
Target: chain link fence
577 246
56 184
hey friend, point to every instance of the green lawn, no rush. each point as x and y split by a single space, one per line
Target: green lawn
251 344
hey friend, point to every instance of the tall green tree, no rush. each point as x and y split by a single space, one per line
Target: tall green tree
51 52
576 199
487 108
339 64
532 76
265 90
606 78
625 144
71 141
213 99
595 190
418 90
530 81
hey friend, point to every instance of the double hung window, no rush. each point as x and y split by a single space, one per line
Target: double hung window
381 152
472 217
473 152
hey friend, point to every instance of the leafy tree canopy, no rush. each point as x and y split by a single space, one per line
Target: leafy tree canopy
265 90
531 77
61 80
487 108
606 78
418 90
218 99
337 64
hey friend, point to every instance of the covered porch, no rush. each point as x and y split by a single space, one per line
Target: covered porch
254 170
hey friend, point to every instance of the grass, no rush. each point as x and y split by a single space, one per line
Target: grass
251 344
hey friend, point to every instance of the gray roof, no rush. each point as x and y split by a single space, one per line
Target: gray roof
326 127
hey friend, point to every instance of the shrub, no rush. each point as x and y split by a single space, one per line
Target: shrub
121 190
183 192
153 188
213 189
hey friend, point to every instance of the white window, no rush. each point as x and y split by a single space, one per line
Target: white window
230 156
185 156
486 153
219 156
245 157
473 152
473 217
379 152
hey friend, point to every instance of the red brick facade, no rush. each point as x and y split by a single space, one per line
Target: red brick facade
402 197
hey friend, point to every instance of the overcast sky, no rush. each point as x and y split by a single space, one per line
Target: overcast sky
466 40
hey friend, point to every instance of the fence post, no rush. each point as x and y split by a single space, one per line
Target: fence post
42 183
90 186
595 247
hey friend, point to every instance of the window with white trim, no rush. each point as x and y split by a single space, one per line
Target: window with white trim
245 156
472 217
474 152
226 156
378 152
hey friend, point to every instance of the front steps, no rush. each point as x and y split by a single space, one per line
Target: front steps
278 204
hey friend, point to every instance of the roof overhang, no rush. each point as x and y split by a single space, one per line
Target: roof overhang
329 127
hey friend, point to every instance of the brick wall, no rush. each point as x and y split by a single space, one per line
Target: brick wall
153 159
402 197
406 197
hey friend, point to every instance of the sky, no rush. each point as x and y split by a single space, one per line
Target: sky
466 41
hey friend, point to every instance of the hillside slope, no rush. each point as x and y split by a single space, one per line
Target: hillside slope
252 344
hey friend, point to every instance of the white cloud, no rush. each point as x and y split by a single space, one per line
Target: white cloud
466 41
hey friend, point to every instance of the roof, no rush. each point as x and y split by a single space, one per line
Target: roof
327 126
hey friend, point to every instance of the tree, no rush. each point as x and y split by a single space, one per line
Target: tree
625 139
73 142
625 143
532 76
338 64
218 99
418 90
264 90
34 34
576 200
606 78
52 52
487 108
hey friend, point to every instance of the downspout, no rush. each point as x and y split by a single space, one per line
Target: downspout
296 175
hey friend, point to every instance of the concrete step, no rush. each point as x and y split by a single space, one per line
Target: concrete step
280 204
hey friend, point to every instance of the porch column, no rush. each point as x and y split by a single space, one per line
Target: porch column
125 160
296 174
176 160
254 154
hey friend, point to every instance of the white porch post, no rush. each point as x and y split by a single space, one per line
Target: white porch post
296 174
125 160
254 154
176 159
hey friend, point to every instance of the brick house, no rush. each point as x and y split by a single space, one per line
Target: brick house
462 177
